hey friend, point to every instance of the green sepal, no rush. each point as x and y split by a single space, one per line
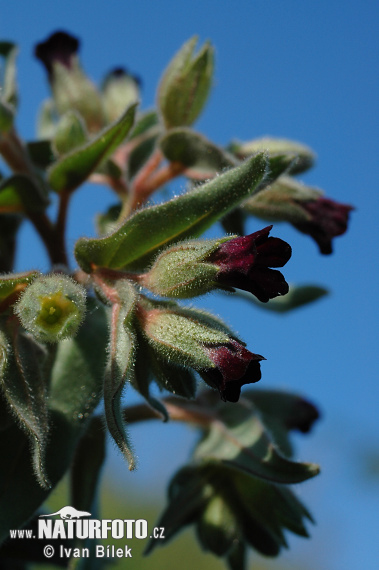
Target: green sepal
74 168
196 152
135 244
304 156
120 365
297 296
241 441
177 334
24 387
21 192
143 376
76 389
11 285
168 376
70 133
185 85
181 271
281 201
9 93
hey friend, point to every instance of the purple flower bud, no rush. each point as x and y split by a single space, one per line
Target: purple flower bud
245 263
59 47
328 219
234 367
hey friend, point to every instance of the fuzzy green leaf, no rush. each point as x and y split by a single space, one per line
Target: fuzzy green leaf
16 282
25 389
120 365
241 441
76 388
74 168
148 231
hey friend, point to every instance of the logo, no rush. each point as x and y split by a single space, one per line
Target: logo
73 524
69 513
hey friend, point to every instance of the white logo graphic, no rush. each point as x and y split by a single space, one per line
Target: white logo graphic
69 513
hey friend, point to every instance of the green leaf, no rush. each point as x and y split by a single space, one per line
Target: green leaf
281 412
148 231
78 371
76 388
84 481
86 467
9 52
241 441
74 168
13 284
120 365
25 389
195 151
185 85
21 192
188 495
298 296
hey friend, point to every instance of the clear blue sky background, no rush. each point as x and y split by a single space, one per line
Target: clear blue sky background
301 70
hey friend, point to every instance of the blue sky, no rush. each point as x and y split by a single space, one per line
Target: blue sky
301 70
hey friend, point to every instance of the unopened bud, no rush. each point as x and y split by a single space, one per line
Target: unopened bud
185 85
181 271
70 86
304 207
119 91
52 308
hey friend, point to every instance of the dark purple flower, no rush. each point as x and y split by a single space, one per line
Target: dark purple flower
234 367
303 415
328 219
59 47
245 263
